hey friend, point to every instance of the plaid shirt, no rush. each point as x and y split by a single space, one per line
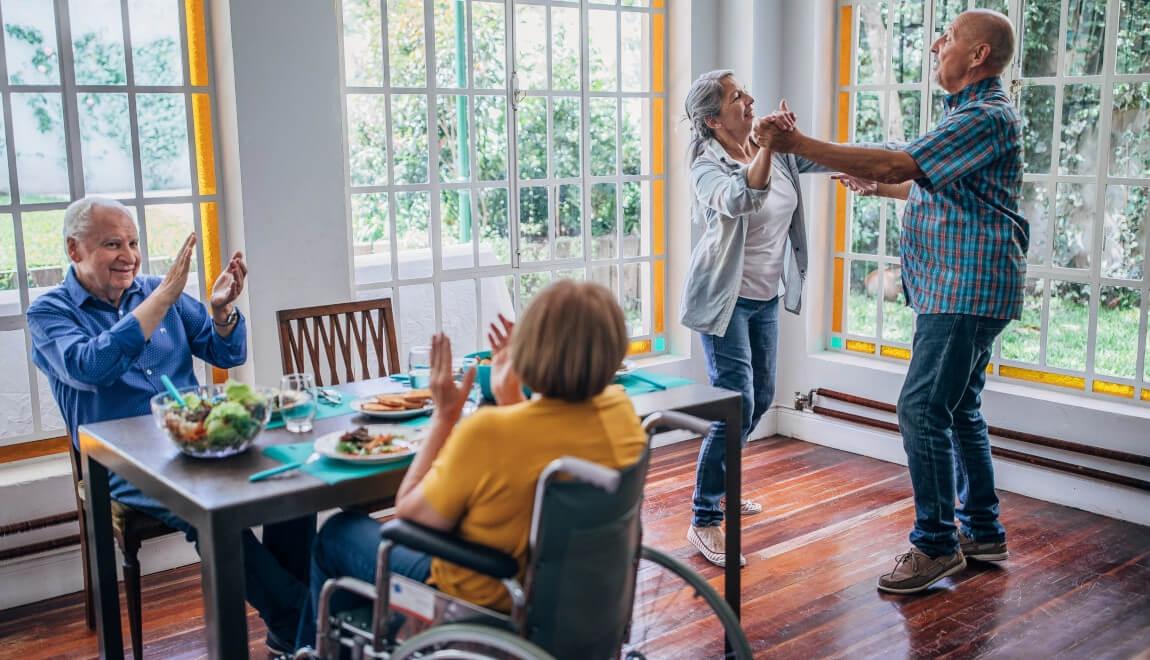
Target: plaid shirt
963 240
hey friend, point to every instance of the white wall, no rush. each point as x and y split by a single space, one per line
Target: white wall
281 129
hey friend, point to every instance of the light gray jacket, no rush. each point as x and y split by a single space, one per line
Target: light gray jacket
721 203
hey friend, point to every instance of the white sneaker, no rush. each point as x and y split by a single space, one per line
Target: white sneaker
746 507
712 543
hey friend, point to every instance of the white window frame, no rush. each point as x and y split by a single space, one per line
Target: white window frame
69 91
517 268
1047 272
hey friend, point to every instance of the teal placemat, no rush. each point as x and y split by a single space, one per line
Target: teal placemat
325 469
324 411
642 382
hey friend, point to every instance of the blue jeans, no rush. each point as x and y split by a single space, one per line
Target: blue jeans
940 418
275 571
742 360
347 546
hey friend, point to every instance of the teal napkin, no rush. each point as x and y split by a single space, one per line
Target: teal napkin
323 410
644 382
325 469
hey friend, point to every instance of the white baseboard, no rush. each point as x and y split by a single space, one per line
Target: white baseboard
1069 490
59 572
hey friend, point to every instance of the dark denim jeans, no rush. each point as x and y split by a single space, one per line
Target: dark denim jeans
347 546
275 571
947 447
742 360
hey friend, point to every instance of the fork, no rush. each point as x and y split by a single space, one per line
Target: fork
260 476
330 396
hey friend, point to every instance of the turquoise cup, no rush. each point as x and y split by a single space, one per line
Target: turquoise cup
483 376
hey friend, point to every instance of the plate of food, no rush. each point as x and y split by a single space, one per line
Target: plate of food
377 443
403 405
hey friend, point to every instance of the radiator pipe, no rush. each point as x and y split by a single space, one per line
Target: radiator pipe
37 523
1007 434
1049 463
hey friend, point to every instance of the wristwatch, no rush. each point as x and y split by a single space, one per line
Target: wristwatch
230 321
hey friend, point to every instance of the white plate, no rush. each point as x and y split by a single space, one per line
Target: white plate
327 444
357 406
625 368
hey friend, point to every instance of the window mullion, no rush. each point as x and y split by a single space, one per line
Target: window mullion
69 100
585 126
389 145
435 221
134 130
512 128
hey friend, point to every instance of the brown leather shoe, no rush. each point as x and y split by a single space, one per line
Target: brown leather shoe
914 571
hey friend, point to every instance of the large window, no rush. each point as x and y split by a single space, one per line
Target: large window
1081 79
494 146
107 97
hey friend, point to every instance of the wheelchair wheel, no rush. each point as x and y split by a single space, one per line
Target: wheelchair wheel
467 641
677 614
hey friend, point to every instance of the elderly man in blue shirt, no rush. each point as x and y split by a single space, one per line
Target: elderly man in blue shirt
106 335
963 250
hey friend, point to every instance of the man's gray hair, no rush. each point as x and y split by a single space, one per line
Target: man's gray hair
704 101
79 214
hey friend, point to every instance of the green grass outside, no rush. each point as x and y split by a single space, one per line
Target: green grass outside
1116 350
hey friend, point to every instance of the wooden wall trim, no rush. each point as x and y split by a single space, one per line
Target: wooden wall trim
33 449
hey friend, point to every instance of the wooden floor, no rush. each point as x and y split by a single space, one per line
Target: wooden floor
1077 584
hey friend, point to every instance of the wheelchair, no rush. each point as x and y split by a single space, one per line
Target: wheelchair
592 590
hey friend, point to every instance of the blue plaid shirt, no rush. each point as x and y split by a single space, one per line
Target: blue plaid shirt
963 240
97 361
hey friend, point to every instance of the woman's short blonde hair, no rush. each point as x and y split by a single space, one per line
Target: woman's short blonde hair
570 341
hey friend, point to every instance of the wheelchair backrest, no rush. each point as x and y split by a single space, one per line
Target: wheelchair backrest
585 543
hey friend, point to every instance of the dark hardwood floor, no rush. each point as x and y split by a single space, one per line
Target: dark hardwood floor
1077 584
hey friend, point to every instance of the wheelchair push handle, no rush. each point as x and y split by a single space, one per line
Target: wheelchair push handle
667 420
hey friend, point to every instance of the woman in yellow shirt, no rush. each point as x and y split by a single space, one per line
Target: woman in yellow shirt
477 477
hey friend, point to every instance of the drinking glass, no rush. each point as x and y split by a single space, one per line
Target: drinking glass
419 367
298 402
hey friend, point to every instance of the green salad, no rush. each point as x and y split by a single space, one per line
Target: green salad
223 421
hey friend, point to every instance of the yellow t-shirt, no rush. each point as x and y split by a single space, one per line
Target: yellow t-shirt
485 475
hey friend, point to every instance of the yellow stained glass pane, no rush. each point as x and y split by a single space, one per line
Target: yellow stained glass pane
846 25
1114 389
658 30
1047 378
658 219
658 138
860 346
657 4
659 282
1146 394
895 352
210 242
639 346
197 42
205 151
837 310
844 118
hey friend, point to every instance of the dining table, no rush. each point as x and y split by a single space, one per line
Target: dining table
216 497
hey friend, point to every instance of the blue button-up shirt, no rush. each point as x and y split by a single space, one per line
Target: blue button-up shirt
963 240
97 361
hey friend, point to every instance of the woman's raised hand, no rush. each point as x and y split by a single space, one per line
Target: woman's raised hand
448 396
505 383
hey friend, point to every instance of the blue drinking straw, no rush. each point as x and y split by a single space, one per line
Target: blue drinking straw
173 391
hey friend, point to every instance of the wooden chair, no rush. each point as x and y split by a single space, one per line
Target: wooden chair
130 528
341 342
345 335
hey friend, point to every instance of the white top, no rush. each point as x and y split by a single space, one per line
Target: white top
767 238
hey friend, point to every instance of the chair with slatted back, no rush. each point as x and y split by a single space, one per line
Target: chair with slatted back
339 343
130 528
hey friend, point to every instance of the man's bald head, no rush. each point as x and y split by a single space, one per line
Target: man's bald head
992 28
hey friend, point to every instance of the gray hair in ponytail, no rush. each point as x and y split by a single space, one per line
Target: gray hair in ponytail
704 100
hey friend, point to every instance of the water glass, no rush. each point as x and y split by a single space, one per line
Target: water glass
298 402
419 367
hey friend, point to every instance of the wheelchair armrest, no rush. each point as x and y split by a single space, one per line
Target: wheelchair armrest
479 558
668 420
